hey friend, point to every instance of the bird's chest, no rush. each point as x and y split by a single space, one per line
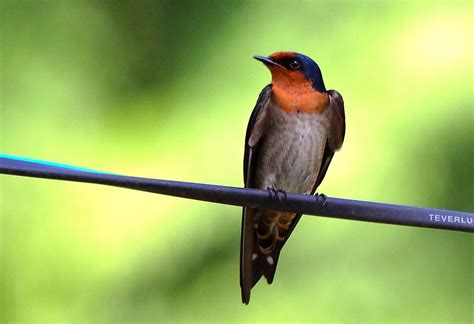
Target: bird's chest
292 151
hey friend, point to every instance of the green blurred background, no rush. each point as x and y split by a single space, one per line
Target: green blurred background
165 90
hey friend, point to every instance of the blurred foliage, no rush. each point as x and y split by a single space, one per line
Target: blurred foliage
165 89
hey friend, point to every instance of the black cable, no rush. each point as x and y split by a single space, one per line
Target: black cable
305 204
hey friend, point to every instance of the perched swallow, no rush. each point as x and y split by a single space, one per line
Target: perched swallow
293 132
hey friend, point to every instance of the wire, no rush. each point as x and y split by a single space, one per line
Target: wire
305 204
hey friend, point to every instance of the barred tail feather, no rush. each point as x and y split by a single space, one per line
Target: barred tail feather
255 263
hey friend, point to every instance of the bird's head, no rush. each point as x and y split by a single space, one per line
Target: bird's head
290 69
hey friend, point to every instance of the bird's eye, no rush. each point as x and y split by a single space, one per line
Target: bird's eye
295 64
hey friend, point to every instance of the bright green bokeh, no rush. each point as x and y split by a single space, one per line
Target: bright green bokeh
165 89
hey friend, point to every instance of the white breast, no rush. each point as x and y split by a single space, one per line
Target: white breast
291 153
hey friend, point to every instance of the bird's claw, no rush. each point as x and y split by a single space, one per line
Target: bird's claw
278 193
283 192
323 197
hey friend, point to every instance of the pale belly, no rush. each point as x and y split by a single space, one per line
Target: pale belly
291 153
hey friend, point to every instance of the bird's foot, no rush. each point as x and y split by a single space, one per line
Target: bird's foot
277 193
323 197
280 193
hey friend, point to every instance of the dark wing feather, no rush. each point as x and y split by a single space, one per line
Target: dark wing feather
249 275
249 153
337 130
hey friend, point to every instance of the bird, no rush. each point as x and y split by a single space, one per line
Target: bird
294 130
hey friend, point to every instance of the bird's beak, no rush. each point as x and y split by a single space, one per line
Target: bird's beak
266 60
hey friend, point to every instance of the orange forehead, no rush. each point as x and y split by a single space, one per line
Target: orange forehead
289 78
283 75
282 55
